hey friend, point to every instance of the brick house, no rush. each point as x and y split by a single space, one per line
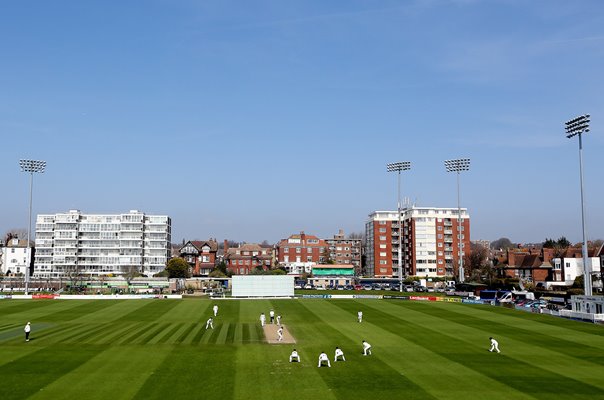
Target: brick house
301 251
201 256
244 259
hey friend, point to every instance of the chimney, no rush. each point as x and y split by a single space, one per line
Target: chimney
226 246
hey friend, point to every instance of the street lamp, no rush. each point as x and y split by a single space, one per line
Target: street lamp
30 166
458 165
574 127
398 167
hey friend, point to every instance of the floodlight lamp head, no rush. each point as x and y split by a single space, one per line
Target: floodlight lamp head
577 126
32 166
398 166
457 165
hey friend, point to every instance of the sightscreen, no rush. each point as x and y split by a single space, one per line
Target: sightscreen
263 286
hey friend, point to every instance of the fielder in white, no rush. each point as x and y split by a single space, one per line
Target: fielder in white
215 309
366 348
360 316
27 330
294 356
323 358
279 319
272 315
339 353
280 333
210 323
262 319
494 345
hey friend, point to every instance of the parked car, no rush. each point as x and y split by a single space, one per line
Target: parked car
308 286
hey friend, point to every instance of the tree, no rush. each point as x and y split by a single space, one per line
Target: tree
216 273
475 262
563 242
178 268
502 243
326 255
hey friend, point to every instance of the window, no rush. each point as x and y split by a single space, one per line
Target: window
382 237
383 254
298 249
382 246
382 230
383 262
440 228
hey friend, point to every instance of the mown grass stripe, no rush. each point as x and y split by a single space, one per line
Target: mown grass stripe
245 333
238 336
77 309
116 331
185 333
31 374
163 339
72 331
151 311
27 306
171 380
90 333
209 336
222 333
230 335
137 330
197 338
152 333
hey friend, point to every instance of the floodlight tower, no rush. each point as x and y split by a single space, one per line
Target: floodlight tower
458 165
576 127
30 166
398 167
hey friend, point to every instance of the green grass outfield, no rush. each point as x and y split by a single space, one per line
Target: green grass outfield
159 349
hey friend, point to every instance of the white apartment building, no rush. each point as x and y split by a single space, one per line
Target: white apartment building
101 244
14 257
430 241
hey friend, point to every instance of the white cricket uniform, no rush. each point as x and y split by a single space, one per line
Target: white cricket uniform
366 348
280 333
210 323
278 320
294 355
323 358
272 315
27 330
494 345
262 319
360 316
215 308
339 353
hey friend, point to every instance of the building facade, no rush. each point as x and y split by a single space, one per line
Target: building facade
301 252
244 259
343 250
101 244
14 257
201 256
430 239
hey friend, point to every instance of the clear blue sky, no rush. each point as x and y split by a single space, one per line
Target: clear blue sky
253 120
